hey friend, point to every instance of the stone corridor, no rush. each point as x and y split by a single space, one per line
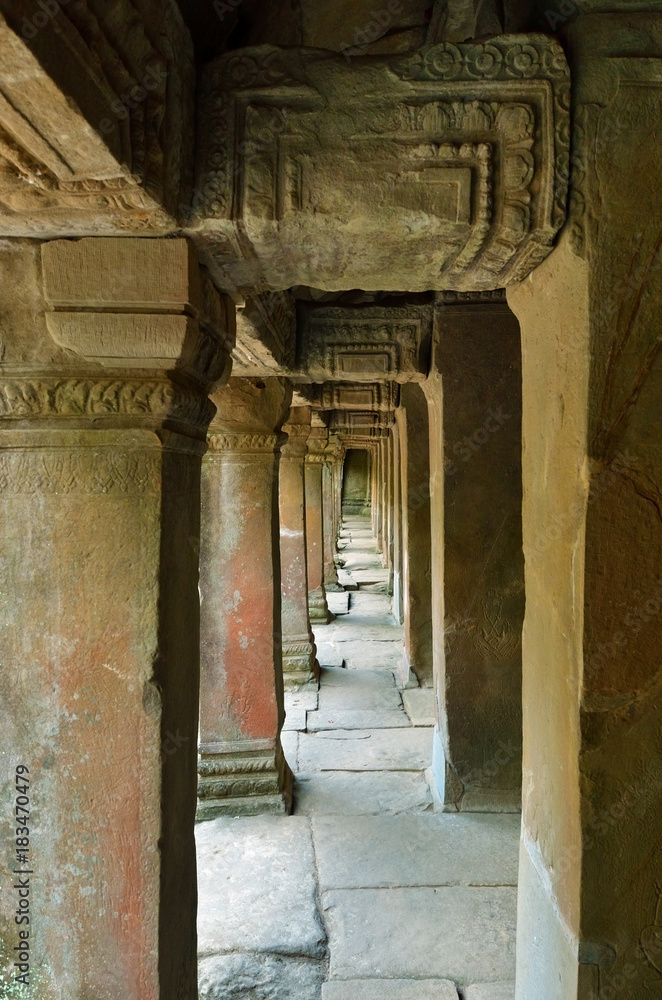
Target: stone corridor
365 892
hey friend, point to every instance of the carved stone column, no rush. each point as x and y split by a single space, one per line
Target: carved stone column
329 532
397 524
242 768
99 618
298 645
315 459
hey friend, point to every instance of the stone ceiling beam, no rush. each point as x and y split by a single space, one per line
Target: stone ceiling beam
443 169
96 118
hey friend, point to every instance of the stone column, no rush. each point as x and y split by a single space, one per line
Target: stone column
478 653
412 419
100 492
315 459
590 869
381 489
329 531
299 663
397 525
242 768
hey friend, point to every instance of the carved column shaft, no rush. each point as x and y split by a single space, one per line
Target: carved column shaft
317 604
329 518
242 768
99 613
299 663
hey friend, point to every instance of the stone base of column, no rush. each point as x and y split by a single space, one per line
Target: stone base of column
300 665
243 778
318 609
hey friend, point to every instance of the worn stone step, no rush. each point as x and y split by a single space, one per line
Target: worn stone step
389 989
366 750
454 932
357 852
257 888
419 706
490 991
344 793
356 719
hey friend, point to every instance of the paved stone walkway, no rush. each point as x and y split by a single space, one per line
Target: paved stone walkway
365 893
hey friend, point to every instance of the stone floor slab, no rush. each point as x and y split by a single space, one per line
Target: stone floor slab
295 720
371 690
424 850
327 655
257 888
260 977
306 697
338 602
370 656
419 706
490 991
290 742
457 933
357 719
366 750
344 793
389 989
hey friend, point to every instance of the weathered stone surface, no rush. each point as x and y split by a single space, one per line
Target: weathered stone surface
451 933
389 989
398 192
366 690
364 344
256 887
356 719
490 991
364 750
358 852
338 602
266 335
342 793
100 617
289 739
478 649
295 719
97 121
242 768
419 706
258 976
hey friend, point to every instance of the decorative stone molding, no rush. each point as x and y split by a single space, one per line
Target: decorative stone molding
318 607
129 303
455 176
43 398
244 443
266 335
473 298
362 420
365 344
243 778
299 664
106 148
63 472
352 396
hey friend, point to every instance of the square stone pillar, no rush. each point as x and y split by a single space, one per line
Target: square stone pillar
412 416
397 525
100 493
315 460
478 653
329 495
590 915
242 768
298 645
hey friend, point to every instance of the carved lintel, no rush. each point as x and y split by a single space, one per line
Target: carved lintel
455 177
